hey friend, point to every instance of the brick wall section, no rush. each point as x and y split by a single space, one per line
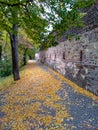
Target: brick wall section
77 59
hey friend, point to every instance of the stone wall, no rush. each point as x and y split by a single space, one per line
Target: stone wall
77 59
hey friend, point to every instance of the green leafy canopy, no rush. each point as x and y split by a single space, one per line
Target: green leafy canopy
34 16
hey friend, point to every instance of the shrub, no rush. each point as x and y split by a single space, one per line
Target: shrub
5 67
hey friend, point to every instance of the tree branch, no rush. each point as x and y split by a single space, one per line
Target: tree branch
9 4
15 4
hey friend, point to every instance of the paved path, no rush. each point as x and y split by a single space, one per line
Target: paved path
45 100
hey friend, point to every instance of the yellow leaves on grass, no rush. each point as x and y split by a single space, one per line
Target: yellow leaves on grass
6 82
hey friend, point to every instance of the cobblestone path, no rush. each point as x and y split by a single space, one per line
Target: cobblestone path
45 100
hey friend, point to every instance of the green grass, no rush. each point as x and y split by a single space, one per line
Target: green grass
6 82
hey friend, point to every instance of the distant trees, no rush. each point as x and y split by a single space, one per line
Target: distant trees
25 46
5 52
0 51
0 45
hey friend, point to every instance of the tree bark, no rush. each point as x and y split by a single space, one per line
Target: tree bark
0 51
24 58
30 57
14 47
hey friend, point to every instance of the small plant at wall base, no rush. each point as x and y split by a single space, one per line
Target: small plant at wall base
77 37
73 36
70 37
46 45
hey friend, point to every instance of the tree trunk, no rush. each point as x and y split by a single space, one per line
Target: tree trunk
24 58
14 47
30 57
0 51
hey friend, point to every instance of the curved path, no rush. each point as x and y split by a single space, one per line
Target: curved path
45 100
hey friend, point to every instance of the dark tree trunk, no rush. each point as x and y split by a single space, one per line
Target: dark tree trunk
0 51
30 57
24 58
14 47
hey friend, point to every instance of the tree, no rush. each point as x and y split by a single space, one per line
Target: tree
20 14
25 46
1 44
66 13
0 51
